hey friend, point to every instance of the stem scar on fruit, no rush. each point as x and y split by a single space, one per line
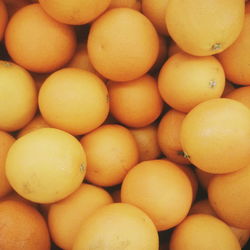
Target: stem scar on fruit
212 83
216 46
185 155
82 168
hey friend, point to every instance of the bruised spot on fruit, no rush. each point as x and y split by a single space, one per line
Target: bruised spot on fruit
216 46
212 83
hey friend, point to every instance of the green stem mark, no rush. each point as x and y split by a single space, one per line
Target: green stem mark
185 155
212 83
216 46
82 168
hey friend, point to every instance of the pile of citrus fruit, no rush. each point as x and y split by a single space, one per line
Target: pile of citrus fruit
124 124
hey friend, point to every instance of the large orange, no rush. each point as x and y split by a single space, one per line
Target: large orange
228 196
66 217
136 103
74 11
117 226
4 18
122 44
37 42
168 135
74 100
161 189
202 231
215 135
6 140
18 96
111 151
185 80
236 59
22 227
204 28
45 165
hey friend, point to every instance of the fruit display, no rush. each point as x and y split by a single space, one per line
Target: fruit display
124 125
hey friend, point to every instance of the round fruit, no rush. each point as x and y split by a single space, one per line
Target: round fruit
122 44
46 165
161 189
74 100
215 136
204 28
18 96
117 226
37 42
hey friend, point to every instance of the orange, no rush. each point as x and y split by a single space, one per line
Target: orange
81 60
18 96
135 103
37 42
228 196
45 165
236 59
161 189
122 44
155 12
168 135
185 80
111 151
6 140
146 139
74 100
215 136
203 206
241 94
117 226
4 18
202 231
204 28
66 217
14 5
203 177
133 4
36 123
22 227
75 11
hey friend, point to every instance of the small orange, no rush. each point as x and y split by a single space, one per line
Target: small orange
51 45
45 165
4 18
236 60
66 217
22 227
36 123
111 151
241 94
185 80
155 12
117 226
203 231
122 44
168 135
161 189
6 140
146 139
74 100
135 103
227 196
18 96
74 12
204 28
215 135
